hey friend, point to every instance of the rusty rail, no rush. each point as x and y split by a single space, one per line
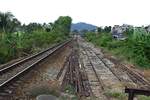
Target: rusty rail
74 75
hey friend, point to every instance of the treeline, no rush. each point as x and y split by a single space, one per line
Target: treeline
18 40
105 29
135 48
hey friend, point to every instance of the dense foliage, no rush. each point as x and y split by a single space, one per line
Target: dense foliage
8 23
135 48
23 40
106 29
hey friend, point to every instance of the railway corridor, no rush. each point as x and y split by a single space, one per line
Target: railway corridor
102 75
42 75
79 64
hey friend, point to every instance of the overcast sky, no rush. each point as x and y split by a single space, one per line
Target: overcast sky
97 12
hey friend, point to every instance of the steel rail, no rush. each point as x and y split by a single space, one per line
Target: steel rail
26 59
55 47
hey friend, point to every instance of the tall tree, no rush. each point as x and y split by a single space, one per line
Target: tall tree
8 23
5 21
14 25
107 29
62 25
99 30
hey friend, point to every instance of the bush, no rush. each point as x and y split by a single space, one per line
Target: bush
30 38
18 44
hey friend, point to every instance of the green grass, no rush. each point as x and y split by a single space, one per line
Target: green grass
124 96
70 93
141 97
116 95
69 89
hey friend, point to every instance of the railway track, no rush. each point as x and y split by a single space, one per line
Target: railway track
133 76
75 75
95 82
136 77
97 73
11 62
86 69
83 75
11 73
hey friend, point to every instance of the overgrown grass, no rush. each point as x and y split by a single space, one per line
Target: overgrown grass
132 49
116 95
69 93
124 96
141 97
19 44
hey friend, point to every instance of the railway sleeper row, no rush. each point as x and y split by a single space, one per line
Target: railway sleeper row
75 76
124 75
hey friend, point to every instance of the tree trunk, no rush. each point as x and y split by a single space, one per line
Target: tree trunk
4 29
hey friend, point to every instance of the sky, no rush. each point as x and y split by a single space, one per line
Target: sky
96 12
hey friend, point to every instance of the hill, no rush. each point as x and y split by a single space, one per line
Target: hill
82 26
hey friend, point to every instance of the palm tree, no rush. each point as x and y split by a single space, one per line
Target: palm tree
14 25
5 20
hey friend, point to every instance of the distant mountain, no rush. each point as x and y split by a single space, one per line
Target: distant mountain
82 26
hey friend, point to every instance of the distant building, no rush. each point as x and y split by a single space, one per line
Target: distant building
147 28
117 32
125 27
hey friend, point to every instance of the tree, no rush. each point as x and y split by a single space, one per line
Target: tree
129 31
107 29
8 23
51 25
62 25
5 21
99 30
47 27
33 27
14 25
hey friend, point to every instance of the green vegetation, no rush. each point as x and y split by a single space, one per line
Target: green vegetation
141 97
18 40
69 94
123 96
35 91
69 89
116 95
135 48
